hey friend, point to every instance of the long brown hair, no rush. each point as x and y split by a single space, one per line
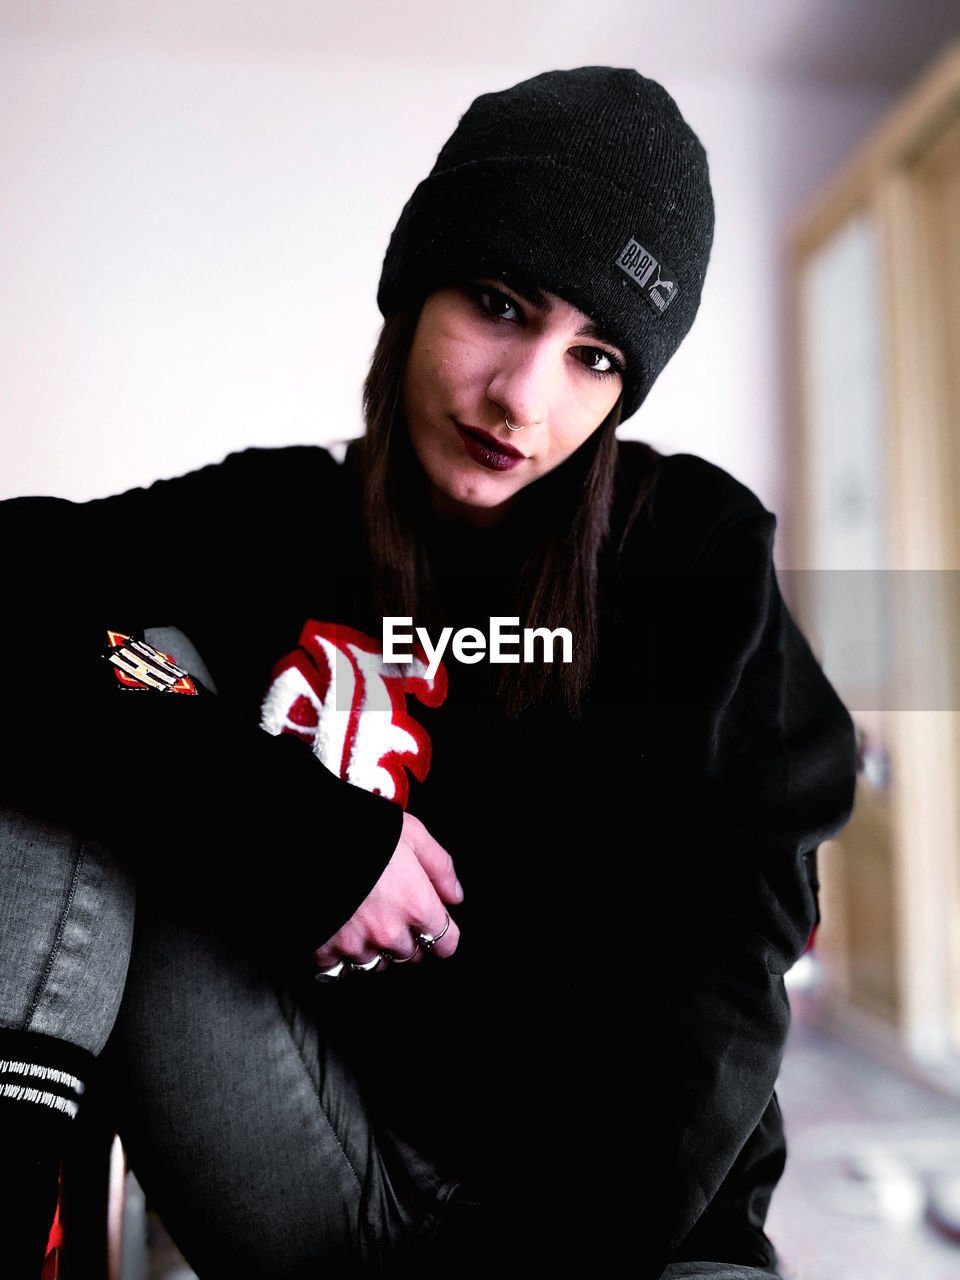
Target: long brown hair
559 585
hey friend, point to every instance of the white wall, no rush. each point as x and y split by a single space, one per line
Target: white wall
190 242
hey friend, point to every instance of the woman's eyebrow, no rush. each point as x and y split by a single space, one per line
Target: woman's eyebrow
530 293
591 330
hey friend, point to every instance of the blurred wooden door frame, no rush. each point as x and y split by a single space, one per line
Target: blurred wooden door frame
890 940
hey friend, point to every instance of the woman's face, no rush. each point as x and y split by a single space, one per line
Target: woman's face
483 352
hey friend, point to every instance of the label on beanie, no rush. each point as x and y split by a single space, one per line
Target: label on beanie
652 277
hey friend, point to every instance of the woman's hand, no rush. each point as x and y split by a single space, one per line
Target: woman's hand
410 899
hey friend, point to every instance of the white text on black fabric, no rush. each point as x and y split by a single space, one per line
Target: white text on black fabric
506 643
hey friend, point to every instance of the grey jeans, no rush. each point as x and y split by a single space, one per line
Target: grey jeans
66 927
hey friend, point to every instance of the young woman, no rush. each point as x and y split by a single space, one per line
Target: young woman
493 639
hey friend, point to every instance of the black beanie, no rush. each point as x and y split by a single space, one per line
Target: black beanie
588 184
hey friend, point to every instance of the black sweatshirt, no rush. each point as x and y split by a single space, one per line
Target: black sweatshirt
637 880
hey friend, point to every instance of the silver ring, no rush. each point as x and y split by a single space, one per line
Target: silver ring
506 422
332 974
426 940
388 955
366 966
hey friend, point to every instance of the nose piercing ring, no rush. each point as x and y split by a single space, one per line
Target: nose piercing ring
509 427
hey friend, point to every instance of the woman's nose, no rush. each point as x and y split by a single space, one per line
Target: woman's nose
522 386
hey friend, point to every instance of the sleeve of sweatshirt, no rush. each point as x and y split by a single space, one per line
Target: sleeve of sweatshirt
749 765
183 783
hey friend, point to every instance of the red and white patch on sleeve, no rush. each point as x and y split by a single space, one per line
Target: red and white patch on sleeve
337 694
139 665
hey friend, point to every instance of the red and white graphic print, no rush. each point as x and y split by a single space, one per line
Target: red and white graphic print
337 694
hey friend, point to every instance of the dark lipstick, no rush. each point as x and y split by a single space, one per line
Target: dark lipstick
488 451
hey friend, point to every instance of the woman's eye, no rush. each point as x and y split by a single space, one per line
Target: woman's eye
598 361
497 304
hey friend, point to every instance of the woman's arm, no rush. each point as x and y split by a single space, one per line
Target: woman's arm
748 763
185 783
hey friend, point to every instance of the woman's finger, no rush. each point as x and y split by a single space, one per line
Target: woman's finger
351 941
434 859
370 965
405 950
441 940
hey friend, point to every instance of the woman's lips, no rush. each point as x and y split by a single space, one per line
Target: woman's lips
488 451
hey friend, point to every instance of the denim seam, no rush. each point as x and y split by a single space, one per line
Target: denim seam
58 940
322 1108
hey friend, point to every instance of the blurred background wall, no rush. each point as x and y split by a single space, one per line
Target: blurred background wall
195 198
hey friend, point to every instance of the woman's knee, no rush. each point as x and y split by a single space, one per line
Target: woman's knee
66 924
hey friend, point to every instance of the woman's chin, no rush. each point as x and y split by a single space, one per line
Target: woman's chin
470 503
